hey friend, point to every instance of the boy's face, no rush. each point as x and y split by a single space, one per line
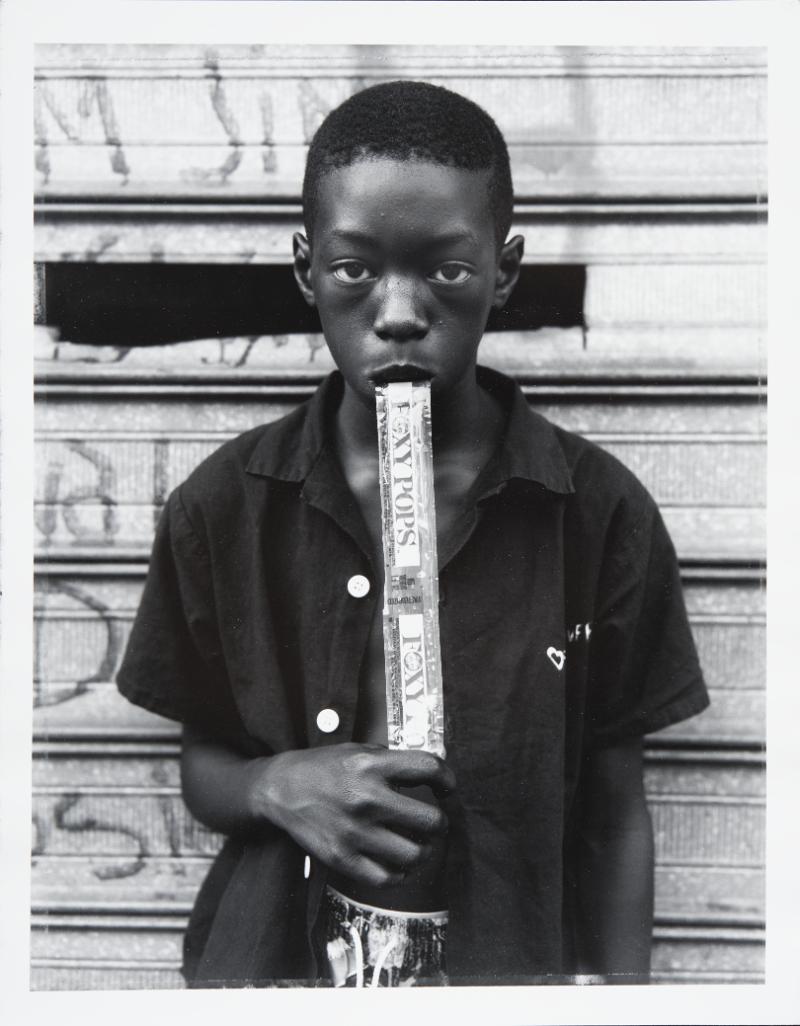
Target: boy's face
404 270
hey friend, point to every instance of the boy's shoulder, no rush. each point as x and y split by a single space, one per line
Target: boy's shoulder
588 476
608 499
220 479
537 448
596 471
598 488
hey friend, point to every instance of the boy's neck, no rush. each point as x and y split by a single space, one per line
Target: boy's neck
463 420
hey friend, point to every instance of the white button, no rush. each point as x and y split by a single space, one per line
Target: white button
358 586
328 720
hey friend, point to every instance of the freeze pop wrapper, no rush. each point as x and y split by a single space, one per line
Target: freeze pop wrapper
414 700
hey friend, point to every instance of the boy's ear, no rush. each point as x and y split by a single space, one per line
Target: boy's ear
302 266
508 267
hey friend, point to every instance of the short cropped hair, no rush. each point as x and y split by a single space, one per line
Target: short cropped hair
407 120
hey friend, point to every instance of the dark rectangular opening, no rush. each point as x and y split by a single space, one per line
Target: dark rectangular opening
154 304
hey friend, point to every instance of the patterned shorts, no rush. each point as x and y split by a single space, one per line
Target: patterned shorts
375 947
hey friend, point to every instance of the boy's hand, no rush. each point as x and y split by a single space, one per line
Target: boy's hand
341 805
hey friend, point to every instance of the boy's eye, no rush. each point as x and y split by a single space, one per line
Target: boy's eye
452 274
352 271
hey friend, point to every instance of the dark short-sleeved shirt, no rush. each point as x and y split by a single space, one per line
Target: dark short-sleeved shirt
563 629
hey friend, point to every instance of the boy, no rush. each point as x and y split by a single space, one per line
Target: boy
526 855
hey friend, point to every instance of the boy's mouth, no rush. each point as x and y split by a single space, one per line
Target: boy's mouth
400 372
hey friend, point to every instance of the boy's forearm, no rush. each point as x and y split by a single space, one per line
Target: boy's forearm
615 882
615 865
339 803
217 784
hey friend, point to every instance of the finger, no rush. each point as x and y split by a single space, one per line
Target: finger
415 817
443 788
394 851
408 767
365 870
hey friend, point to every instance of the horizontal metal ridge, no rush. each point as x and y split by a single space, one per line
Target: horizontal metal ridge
54 561
725 747
728 745
295 386
211 437
525 207
108 964
721 920
127 613
706 976
105 749
453 68
133 563
174 966
450 61
710 934
174 791
128 736
144 742
749 755
138 922
111 908
668 798
672 752
79 921
140 910
741 573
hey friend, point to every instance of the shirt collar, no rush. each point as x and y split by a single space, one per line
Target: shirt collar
290 452
530 449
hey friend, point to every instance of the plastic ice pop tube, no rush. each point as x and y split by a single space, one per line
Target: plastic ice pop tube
414 699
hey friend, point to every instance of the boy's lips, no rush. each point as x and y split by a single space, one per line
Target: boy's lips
400 372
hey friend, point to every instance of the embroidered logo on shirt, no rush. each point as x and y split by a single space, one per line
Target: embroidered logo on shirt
556 657
580 630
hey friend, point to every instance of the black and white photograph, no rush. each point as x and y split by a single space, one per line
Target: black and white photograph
399 531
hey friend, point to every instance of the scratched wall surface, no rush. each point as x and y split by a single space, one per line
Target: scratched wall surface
646 167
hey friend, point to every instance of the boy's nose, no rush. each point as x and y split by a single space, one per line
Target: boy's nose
400 315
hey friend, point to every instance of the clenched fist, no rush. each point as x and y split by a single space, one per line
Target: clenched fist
341 804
